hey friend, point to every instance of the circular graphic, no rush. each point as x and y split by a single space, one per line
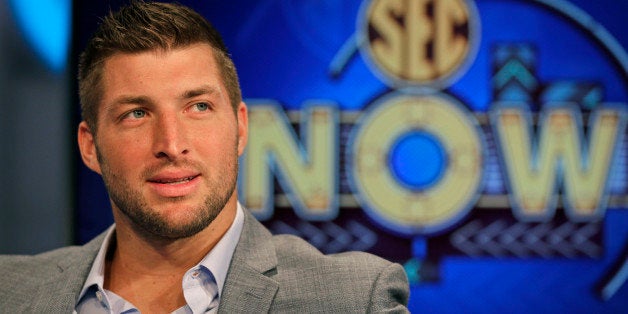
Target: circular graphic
417 159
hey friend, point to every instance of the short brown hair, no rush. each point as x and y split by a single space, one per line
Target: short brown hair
144 26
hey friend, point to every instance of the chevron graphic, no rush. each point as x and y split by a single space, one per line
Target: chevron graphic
514 70
503 239
329 237
513 75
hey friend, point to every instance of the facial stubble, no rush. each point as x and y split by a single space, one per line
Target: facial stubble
153 224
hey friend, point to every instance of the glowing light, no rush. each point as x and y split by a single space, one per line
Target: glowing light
46 25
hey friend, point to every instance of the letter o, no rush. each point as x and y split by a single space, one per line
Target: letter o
394 205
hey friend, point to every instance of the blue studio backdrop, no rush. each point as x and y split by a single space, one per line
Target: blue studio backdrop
480 143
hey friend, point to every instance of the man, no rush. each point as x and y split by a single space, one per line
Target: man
164 124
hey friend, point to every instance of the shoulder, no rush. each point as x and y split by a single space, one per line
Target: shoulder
15 265
307 280
294 250
61 257
352 281
24 275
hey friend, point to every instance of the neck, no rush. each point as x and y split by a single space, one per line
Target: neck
142 269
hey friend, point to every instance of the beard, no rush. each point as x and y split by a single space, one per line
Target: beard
154 225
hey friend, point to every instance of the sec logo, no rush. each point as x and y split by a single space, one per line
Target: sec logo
418 42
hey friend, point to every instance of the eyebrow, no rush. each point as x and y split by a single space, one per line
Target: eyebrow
203 90
140 100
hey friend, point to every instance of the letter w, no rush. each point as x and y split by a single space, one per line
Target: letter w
560 159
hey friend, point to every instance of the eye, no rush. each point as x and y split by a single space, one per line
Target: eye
201 106
134 114
137 114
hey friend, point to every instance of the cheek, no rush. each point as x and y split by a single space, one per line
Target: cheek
120 154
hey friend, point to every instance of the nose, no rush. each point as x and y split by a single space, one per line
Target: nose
170 139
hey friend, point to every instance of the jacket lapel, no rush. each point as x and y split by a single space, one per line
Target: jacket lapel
249 286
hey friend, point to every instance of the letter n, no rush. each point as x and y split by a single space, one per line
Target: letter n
307 171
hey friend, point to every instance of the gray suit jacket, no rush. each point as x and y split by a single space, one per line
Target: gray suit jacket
267 274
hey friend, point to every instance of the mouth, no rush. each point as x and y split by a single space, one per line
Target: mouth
173 181
170 185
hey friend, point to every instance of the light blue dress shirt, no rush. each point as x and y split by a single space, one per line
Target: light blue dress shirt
202 284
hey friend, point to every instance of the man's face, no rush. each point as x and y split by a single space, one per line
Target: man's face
168 140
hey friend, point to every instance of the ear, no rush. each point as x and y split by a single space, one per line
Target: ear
243 127
87 147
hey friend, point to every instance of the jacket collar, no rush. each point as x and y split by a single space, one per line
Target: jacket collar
59 292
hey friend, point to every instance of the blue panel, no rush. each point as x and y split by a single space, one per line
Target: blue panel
417 159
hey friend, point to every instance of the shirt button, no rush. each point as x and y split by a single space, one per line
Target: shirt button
99 296
195 274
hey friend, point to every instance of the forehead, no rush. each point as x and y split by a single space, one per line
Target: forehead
160 72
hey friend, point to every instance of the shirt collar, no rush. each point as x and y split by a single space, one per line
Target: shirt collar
217 260
96 274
